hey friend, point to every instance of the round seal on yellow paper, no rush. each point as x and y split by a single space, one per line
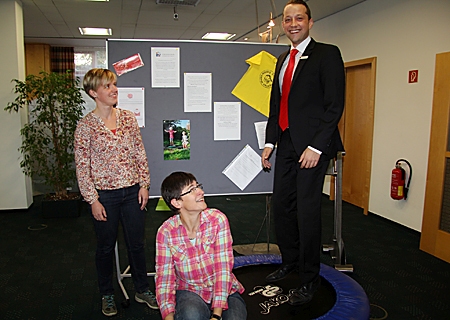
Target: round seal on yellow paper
266 78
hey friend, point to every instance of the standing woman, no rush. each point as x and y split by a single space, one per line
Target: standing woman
194 257
113 177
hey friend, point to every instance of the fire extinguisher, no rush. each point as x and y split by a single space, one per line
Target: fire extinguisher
399 190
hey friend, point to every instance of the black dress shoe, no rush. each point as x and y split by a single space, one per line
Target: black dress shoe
305 293
281 272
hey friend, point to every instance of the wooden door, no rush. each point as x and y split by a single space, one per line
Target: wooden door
435 237
356 127
37 58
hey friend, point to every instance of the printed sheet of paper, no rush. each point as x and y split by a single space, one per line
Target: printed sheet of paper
197 92
227 121
133 99
244 167
165 67
260 128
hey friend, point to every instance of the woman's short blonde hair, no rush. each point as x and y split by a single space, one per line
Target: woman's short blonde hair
95 78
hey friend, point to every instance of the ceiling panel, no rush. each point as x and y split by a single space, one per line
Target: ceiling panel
58 20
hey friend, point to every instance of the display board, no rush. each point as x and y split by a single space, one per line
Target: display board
208 158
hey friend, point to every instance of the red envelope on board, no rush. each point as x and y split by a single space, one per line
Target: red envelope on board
128 64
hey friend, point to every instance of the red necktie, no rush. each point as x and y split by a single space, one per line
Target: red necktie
285 88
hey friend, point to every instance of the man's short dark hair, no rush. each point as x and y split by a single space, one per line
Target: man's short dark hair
308 11
173 185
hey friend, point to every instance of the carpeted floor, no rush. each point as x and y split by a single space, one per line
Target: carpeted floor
47 268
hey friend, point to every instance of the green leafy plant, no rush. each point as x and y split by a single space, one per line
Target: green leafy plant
55 105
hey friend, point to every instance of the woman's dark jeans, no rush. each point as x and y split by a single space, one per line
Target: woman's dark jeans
190 306
121 205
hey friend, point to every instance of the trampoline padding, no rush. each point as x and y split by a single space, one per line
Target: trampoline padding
338 298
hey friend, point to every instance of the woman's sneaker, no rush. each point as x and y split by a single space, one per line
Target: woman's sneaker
109 305
147 297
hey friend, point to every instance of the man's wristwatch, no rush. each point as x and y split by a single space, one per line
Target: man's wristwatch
215 316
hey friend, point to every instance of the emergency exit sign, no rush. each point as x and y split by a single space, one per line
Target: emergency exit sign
413 76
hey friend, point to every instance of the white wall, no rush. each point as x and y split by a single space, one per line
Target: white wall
404 35
15 187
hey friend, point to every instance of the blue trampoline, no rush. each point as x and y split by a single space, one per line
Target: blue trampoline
339 298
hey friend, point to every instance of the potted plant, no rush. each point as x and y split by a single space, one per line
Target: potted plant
55 105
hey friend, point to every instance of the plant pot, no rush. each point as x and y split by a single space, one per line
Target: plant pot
61 208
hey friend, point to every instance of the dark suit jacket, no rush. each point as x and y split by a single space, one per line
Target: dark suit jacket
316 100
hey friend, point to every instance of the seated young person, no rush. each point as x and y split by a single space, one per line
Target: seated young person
194 257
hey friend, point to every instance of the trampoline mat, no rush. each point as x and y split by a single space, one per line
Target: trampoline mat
270 301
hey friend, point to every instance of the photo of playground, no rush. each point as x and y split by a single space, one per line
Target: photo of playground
176 139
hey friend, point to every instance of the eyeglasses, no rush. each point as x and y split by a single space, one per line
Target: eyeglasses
192 189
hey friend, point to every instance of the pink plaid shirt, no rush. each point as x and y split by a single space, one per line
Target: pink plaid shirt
107 160
204 268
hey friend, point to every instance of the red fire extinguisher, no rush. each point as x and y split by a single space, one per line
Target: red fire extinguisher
399 190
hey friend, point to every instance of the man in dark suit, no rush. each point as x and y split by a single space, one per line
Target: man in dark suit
303 126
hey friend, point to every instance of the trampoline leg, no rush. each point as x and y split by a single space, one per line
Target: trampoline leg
348 268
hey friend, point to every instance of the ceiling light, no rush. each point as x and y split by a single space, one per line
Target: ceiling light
98 0
218 36
95 31
179 2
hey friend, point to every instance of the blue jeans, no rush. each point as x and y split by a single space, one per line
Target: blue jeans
121 205
190 306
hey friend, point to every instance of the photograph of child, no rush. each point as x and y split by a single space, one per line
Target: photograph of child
184 140
176 139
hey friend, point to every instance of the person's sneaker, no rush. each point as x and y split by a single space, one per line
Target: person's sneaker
147 297
109 305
